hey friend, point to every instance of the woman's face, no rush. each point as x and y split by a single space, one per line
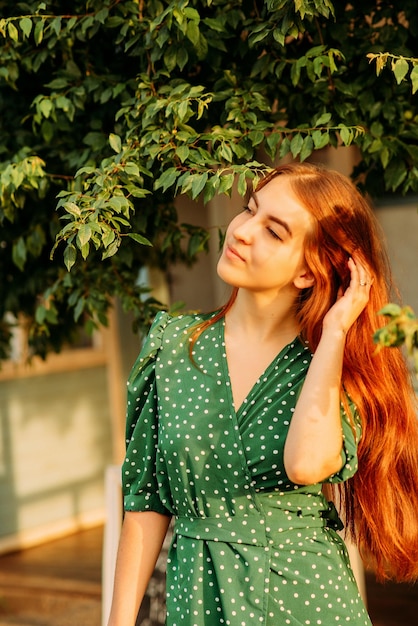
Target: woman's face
264 244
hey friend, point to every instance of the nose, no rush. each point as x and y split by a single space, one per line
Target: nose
242 231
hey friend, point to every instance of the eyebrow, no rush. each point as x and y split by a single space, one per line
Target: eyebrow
273 218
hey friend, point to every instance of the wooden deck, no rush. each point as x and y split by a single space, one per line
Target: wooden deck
59 584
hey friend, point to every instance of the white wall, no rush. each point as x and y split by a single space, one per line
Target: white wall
55 441
399 220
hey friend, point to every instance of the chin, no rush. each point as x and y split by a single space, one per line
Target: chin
230 274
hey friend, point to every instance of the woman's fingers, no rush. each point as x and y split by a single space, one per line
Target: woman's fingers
350 304
360 275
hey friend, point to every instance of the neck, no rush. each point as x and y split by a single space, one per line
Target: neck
263 316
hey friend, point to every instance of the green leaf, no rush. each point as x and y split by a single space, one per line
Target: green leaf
272 142
26 26
40 314
384 157
323 119
332 66
226 152
182 57
182 152
72 208
193 32
118 203
167 179
216 24
320 139
376 146
56 25
84 234
132 169
111 250
414 78
226 184
170 58
211 188
400 68
278 36
64 103
45 106
57 83
137 192
19 253
192 14
183 110
108 237
242 184
102 15
395 173
295 73
79 308
346 135
115 142
284 147
198 184
140 239
70 255
296 144
85 249
13 32
196 245
39 32
256 137
391 310
307 148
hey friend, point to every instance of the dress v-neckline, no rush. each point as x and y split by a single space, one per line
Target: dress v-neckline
264 373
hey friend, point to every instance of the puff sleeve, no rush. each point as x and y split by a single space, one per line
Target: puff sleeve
139 479
352 429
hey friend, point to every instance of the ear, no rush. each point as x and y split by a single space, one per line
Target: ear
304 279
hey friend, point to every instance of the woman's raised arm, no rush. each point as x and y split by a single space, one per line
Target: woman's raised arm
314 442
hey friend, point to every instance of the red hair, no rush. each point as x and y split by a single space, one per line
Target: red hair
381 500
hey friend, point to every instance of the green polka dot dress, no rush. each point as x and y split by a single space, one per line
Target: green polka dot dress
249 547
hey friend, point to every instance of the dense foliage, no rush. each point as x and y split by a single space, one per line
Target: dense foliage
401 330
109 109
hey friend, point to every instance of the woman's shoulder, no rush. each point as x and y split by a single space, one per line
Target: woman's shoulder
165 329
168 329
179 325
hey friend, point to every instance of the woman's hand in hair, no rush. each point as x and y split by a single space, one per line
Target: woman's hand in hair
313 446
350 304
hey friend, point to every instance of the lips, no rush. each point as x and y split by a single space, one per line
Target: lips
232 253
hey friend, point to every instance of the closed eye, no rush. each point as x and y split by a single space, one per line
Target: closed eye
274 234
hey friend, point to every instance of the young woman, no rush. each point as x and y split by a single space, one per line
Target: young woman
237 420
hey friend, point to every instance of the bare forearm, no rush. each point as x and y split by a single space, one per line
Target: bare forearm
314 442
140 544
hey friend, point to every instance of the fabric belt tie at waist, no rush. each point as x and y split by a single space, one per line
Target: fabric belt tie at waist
242 530
251 530
331 517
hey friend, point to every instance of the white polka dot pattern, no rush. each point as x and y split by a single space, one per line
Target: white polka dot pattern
249 546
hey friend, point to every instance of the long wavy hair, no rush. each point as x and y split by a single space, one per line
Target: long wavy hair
380 502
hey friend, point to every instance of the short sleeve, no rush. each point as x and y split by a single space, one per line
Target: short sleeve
139 480
351 427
